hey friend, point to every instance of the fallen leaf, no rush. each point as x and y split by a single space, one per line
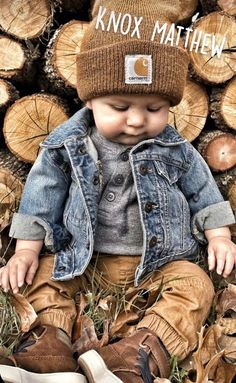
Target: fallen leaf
25 310
124 325
225 301
87 337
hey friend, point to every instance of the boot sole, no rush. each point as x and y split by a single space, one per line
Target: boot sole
17 375
95 369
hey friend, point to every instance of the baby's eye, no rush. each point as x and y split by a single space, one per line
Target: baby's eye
120 107
153 109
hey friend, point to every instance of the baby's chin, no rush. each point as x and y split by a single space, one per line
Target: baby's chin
130 140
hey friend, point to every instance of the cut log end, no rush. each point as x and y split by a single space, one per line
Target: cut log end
28 122
213 61
25 19
228 6
190 115
220 153
62 52
12 57
8 94
222 106
187 10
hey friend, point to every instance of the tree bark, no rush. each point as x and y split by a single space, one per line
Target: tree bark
190 115
60 66
222 106
25 19
28 122
210 67
218 149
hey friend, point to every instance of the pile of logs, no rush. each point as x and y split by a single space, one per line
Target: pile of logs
39 41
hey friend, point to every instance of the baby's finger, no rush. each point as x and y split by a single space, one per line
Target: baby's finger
220 263
5 280
22 270
31 272
229 264
13 280
211 260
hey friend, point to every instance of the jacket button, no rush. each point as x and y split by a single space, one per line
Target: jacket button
143 169
119 179
95 180
148 207
110 196
153 241
124 156
82 150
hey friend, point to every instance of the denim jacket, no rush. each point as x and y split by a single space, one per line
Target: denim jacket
177 195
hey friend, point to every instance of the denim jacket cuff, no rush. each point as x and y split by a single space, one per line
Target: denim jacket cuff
29 227
212 217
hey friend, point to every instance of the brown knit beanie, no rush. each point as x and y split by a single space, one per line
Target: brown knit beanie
132 47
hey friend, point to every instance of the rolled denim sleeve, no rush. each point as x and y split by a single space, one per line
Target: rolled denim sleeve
208 208
27 227
212 217
40 213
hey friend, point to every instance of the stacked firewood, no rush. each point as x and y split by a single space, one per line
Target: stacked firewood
39 41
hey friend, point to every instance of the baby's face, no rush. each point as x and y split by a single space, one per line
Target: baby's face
129 119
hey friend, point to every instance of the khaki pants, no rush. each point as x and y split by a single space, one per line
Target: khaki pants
175 300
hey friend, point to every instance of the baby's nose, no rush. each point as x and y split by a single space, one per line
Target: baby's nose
135 118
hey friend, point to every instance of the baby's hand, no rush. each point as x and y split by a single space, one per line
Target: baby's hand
20 268
221 255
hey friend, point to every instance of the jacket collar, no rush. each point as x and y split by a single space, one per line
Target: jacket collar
79 124
76 126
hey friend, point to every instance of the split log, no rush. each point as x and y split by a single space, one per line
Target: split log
189 116
16 61
218 149
228 6
210 33
60 65
222 106
8 94
28 122
188 7
25 19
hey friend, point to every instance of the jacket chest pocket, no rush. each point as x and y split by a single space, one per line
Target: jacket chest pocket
177 211
170 172
74 208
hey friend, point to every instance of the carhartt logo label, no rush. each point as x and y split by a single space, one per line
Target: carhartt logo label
138 69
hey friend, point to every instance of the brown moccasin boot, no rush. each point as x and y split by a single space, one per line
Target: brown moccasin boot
45 354
136 359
